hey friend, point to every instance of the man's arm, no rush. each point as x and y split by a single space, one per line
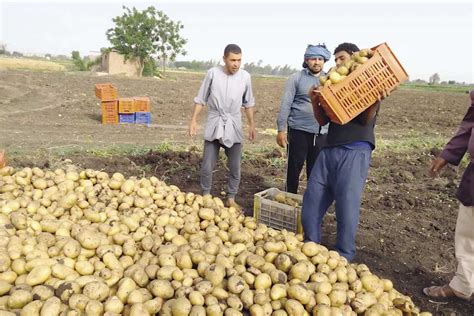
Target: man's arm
285 108
193 126
319 114
199 101
369 114
250 118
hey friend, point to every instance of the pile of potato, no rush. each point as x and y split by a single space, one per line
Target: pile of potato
81 242
338 73
282 198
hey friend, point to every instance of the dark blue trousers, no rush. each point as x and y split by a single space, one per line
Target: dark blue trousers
339 175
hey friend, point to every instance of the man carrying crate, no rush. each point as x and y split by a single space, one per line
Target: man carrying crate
305 136
225 90
340 170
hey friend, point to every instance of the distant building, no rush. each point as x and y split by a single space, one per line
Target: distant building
115 64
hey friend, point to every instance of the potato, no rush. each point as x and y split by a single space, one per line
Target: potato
181 307
51 307
66 290
215 274
256 310
161 288
32 308
38 275
337 297
4 262
126 286
4 287
196 298
262 282
19 298
97 291
111 261
84 267
197 311
62 272
294 308
113 304
42 292
278 291
153 306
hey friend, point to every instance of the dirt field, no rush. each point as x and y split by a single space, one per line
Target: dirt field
407 219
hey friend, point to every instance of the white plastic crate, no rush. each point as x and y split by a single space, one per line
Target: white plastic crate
278 215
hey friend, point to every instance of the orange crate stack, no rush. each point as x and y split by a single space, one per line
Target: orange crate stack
106 92
142 104
345 100
110 112
126 105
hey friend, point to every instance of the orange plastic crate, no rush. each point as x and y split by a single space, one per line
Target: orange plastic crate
142 104
110 107
106 92
110 118
345 100
126 105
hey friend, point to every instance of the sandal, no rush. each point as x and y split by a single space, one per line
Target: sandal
444 291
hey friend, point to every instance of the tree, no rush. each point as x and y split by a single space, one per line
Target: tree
147 35
83 63
3 49
78 61
434 79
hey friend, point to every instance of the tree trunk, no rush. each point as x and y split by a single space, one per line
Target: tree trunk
141 65
164 65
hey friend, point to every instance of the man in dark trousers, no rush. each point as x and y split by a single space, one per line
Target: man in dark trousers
340 170
305 136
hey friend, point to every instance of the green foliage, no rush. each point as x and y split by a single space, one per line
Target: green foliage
78 61
258 69
458 88
196 64
254 69
85 63
147 35
150 69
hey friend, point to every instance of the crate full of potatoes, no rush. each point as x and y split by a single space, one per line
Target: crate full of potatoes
278 209
351 88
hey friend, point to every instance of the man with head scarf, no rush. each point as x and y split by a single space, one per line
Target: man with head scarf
305 136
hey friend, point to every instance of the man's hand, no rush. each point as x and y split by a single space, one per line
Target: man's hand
436 166
281 139
315 94
252 132
383 96
193 128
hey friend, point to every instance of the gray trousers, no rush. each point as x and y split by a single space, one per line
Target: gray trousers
210 157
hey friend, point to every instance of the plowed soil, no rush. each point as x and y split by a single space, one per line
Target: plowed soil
407 223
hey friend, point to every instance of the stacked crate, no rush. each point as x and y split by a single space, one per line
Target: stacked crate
108 95
122 110
142 110
126 110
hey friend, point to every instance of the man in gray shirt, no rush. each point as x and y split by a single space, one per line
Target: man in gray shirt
225 90
305 136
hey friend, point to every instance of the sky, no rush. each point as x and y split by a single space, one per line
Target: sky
427 36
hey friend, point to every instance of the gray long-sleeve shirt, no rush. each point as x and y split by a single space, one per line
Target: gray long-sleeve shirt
225 95
296 109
